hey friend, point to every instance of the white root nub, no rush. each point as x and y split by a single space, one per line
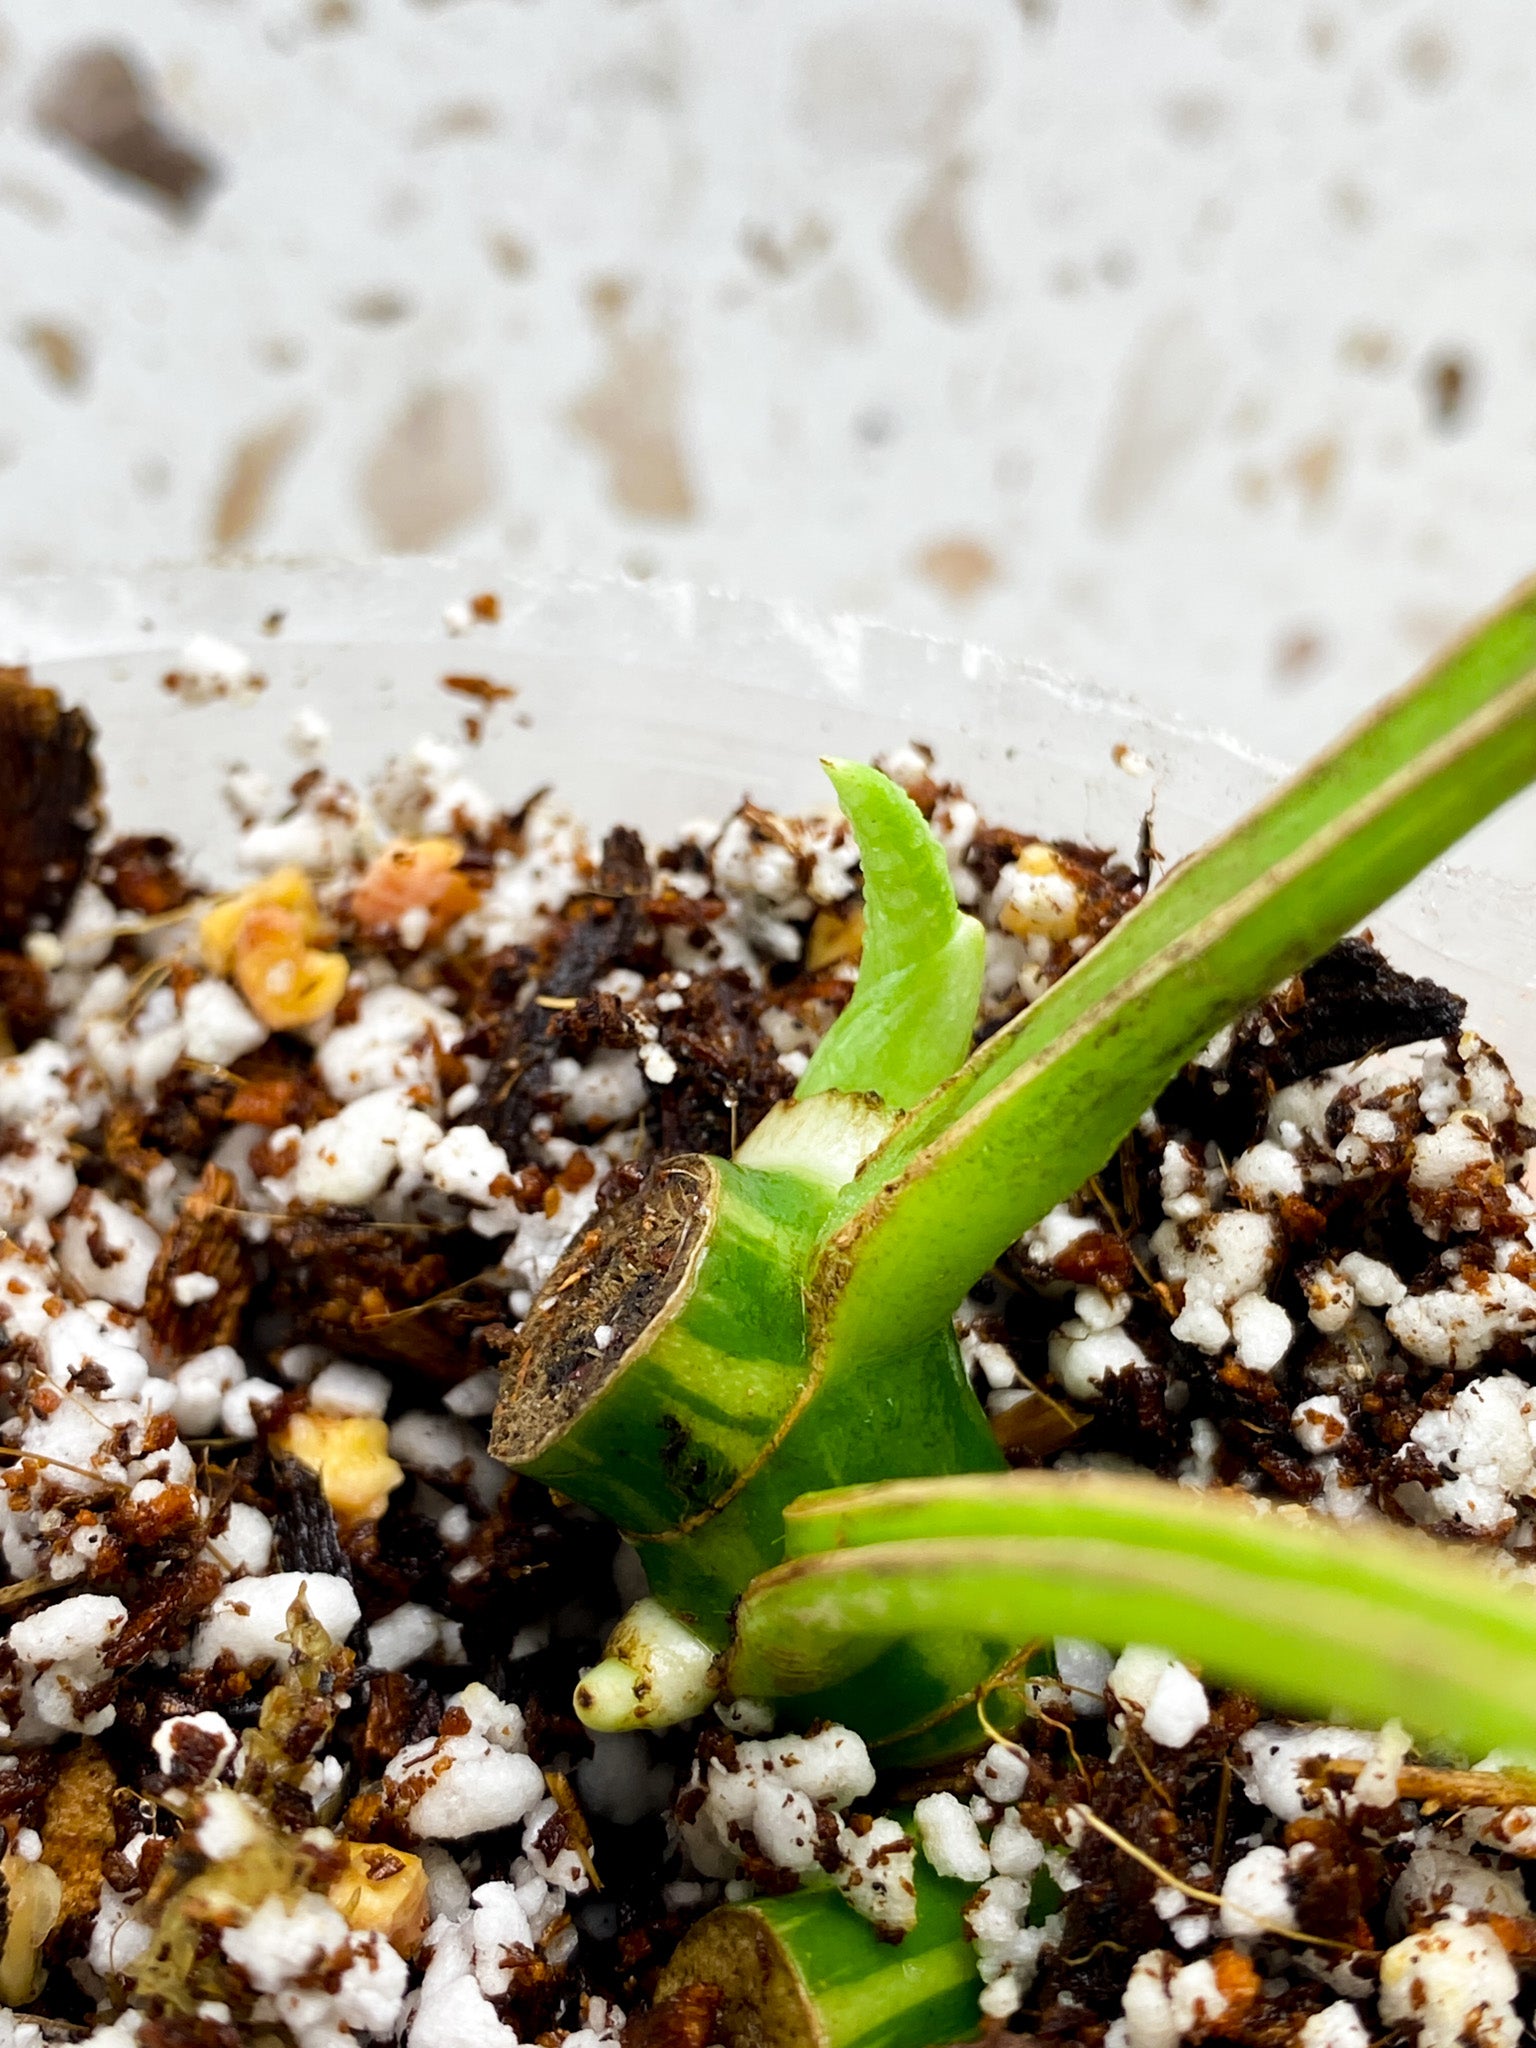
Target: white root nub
657 1671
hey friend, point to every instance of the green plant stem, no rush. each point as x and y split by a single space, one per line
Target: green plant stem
785 1325
667 1376
1384 1624
1044 1102
921 1419
707 1409
928 1698
913 1009
652 1428
804 1971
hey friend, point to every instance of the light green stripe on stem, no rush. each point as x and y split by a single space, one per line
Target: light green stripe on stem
919 1417
1367 1627
1045 1102
1379 1562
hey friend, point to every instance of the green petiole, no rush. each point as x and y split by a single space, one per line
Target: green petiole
780 1323
1044 1102
1386 1624
709 1405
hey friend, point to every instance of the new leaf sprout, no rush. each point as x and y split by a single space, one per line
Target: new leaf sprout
913 1010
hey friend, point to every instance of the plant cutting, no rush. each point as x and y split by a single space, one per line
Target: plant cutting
261 1268
744 1335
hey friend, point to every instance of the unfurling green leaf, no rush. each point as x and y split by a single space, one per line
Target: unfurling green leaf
913 1011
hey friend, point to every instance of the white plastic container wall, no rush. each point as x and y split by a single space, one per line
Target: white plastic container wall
659 705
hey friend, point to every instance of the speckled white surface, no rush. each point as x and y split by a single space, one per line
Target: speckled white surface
1114 332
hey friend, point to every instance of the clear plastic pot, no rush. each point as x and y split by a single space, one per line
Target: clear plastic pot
659 704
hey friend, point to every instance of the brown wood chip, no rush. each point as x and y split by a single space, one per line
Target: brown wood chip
205 1240
78 1830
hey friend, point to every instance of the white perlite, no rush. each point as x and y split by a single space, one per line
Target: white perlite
1265 1174
1008 1948
1083 1668
1375 1284
324 1982
191 1748
826 1771
1320 1425
951 1839
1002 1774
1261 1332
1272 1755
875 1875
1165 2001
1485 1443
350 1158
1454 1980
219 1028
391 1044
188 1289
411 1634
249 1617
1256 1894
1330 1295
1171 1700
1458 1324
466 1781
1217 1260
1439 1879
62 1652
1452 1177
106 1250
1336 2026
1091 1345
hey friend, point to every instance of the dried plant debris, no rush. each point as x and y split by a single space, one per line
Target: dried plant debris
288 1658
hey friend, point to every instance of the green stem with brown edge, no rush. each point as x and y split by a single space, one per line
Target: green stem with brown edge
1389 1623
803 1971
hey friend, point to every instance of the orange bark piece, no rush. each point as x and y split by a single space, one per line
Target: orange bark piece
286 981
415 874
